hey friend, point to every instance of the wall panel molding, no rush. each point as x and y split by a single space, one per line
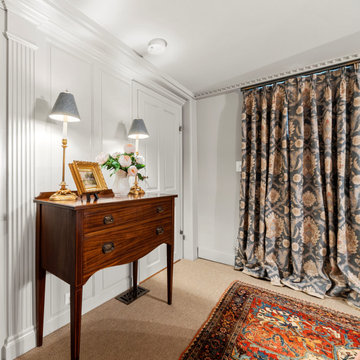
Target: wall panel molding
20 190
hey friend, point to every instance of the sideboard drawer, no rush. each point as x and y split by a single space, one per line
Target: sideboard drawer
106 219
114 217
156 210
123 245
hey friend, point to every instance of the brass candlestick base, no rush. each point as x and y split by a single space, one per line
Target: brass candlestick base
136 189
63 194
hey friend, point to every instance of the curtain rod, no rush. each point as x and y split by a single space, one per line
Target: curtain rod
310 72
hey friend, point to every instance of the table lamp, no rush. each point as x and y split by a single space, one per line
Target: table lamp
138 132
64 110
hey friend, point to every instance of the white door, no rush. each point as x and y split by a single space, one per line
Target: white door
162 152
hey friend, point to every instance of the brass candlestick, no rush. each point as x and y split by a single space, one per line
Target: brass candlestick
137 131
136 189
63 194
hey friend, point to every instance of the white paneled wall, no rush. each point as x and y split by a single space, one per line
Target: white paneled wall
20 208
3 205
104 98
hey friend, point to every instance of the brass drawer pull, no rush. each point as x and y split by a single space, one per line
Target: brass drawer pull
108 219
159 209
108 247
159 230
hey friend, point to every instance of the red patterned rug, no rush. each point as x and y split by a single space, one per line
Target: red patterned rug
253 323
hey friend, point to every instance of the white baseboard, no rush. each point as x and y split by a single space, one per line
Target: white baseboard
215 255
21 343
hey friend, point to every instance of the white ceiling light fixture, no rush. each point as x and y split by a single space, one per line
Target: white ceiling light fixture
157 46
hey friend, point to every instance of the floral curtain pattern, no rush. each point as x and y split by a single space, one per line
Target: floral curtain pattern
300 184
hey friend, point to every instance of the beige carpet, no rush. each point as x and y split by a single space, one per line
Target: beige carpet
149 328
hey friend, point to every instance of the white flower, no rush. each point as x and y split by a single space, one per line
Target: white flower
132 170
129 148
115 155
102 158
125 160
140 159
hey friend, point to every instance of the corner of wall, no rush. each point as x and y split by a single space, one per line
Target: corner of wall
190 180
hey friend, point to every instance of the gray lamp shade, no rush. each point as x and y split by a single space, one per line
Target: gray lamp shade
138 130
65 106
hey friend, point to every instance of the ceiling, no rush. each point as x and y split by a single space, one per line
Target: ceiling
214 43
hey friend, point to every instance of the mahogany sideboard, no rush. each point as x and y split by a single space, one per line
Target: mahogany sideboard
74 239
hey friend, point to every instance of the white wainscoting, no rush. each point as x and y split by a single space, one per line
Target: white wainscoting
3 181
20 208
104 99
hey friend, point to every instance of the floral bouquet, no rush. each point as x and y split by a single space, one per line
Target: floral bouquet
127 162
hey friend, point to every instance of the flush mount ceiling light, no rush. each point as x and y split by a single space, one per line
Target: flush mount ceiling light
157 46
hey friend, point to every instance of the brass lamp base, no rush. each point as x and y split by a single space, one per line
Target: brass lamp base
136 190
63 194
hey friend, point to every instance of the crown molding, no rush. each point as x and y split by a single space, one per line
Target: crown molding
65 24
299 70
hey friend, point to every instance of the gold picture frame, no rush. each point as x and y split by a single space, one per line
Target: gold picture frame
88 177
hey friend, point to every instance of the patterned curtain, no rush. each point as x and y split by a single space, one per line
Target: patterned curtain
300 184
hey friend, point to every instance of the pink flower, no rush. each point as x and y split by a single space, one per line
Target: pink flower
129 148
125 160
115 155
102 158
132 170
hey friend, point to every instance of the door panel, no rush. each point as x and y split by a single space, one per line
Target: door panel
150 147
162 152
171 172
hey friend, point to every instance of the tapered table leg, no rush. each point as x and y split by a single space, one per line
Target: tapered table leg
40 282
75 309
135 278
40 300
170 266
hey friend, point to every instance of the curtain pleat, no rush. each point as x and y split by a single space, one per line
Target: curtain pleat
300 184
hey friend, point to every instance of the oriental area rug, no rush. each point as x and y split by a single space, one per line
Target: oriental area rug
253 323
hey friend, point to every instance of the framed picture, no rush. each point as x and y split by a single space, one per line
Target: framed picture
88 177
